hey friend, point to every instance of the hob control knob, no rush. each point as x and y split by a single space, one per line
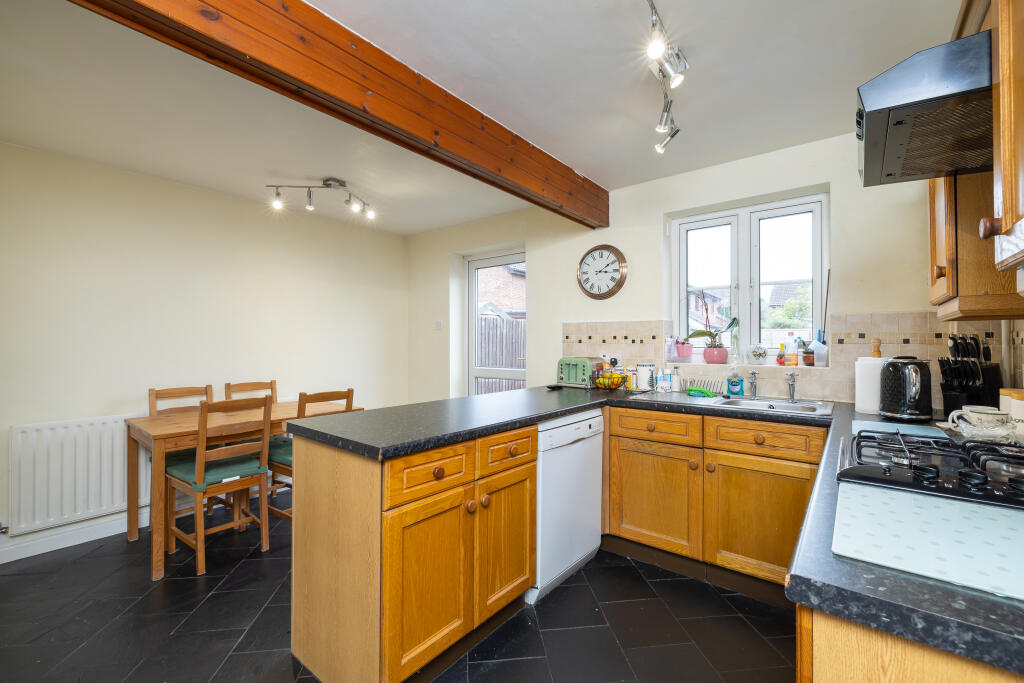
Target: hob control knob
972 478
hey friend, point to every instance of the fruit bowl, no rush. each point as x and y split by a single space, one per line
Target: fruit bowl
609 380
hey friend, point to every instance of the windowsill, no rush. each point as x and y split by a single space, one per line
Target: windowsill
698 359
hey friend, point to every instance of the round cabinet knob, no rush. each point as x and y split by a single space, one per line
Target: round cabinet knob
485 500
710 467
471 506
651 427
990 227
759 439
938 272
439 473
513 450
693 465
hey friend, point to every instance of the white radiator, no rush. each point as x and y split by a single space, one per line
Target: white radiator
64 472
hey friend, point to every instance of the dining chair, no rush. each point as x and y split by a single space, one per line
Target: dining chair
280 458
244 387
155 395
217 469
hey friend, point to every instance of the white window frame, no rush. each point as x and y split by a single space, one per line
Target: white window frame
746 260
472 370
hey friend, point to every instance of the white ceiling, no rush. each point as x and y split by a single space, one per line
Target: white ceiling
570 75
77 83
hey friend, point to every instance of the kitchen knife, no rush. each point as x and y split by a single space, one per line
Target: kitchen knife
975 347
986 351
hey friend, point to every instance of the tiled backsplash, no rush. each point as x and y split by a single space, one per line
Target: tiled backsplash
918 334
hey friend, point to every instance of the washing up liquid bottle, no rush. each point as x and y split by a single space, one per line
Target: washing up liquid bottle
734 383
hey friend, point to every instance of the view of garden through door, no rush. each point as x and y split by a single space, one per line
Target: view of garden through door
497 323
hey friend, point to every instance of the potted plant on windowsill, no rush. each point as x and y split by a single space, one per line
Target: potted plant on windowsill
714 351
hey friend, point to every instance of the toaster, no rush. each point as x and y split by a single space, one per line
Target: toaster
577 371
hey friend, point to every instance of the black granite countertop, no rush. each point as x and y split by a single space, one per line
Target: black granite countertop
400 430
964 621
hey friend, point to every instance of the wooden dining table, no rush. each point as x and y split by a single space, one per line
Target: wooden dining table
168 432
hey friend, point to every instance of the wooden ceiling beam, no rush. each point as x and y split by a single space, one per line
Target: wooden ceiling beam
294 49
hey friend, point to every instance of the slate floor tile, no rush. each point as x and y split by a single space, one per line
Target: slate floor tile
456 673
730 643
688 598
618 583
585 655
113 652
186 657
272 630
510 671
786 645
176 595
267 667
517 638
236 609
671 664
639 623
654 573
283 596
576 579
568 607
603 558
30 662
769 620
785 674
219 562
267 574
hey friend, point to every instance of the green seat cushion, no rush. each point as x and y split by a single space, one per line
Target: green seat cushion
281 452
183 467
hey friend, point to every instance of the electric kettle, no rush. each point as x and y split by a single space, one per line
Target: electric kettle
906 390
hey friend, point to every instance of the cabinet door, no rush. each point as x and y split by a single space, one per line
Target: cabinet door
654 494
753 509
426 580
942 235
506 538
1009 112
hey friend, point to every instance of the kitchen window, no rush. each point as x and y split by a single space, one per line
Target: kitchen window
763 264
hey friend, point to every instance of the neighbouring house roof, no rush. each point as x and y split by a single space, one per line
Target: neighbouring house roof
784 292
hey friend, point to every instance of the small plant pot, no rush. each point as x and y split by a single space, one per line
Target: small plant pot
716 355
684 349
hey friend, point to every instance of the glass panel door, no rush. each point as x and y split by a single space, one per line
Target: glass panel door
497 324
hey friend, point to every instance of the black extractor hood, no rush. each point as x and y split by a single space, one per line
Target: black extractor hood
930 115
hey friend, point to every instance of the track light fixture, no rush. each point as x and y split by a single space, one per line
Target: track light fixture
660 147
330 183
667 63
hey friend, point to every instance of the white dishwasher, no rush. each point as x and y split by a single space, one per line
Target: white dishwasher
568 497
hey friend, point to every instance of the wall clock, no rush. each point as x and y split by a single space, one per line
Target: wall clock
601 272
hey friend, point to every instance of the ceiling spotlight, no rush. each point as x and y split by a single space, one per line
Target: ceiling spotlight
660 147
354 204
370 213
309 199
666 114
656 48
673 64
277 202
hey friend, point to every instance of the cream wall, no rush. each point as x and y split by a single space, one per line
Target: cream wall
113 282
879 254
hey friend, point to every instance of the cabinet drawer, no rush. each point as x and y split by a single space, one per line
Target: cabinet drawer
506 450
419 475
789 442
652 425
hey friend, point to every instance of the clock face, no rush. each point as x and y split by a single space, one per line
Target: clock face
602 272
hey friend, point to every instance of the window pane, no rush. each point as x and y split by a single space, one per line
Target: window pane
501 316
787 278
491 385
709 269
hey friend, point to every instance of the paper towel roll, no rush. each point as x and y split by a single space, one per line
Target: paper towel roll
868 377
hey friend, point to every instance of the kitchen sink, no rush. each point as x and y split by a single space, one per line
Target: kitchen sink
778 405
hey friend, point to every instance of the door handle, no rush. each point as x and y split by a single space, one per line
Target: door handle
471 506
485 500
439 473
694 465
710 467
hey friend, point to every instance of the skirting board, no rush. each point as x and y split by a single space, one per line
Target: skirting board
44 541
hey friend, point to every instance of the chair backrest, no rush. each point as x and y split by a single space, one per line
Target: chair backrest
323 397
207 448
178 392
242 387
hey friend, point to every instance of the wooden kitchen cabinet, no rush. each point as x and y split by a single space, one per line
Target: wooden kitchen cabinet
655 494
964 282
395 561
504 538
427 599
753 510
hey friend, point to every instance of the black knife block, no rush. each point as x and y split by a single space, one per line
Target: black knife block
987 394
